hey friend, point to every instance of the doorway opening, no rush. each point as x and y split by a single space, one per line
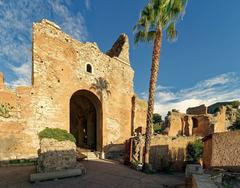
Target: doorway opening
85 119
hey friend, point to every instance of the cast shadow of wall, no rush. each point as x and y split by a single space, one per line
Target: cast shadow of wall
164 158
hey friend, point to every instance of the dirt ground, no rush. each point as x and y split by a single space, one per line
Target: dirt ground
100 174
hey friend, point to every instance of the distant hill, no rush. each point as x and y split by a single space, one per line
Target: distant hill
214 107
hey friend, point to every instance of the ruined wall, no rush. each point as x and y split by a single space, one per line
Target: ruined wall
15 138
207 153
200 125
166 152
175 124
140 114
198 110
59 70
224 151
220 120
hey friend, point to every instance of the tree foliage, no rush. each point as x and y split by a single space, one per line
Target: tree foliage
157 118
159 14
194 151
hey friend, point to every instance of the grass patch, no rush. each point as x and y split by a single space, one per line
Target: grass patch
57 134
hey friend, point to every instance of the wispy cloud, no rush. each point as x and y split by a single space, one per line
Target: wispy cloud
16 18
224 87
88 4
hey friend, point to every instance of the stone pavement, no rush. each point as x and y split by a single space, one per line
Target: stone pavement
100 174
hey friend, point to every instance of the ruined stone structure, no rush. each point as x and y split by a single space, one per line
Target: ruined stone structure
198 122
75 87
166 153
221 150
55 155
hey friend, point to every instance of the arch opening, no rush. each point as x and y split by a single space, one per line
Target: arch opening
85 119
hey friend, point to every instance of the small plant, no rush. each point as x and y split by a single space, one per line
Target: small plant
57 134
5 110
194 151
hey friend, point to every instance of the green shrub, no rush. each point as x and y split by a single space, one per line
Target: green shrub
158 128
56 133
194 151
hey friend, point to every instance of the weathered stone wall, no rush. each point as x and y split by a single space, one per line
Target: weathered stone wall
56 155
175 124
140 114
59 70
221 122
200 125
16 139
207 153
224 151
198 110
166 152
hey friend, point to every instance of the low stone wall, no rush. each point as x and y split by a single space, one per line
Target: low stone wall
221 150
56 155
165 153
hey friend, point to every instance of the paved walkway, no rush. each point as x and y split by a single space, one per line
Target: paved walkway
100 174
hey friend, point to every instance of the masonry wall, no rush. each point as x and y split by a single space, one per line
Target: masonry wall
59 70
16 138
166 153
140 114
224 151
207 153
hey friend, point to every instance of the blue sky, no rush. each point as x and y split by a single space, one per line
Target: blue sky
202 66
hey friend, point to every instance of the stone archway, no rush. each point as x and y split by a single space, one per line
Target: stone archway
86 119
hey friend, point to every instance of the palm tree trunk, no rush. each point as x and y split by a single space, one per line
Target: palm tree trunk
152 88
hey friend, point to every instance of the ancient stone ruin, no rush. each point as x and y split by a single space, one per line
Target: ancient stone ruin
201 120
62 95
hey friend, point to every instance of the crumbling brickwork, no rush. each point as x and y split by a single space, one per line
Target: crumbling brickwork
60 69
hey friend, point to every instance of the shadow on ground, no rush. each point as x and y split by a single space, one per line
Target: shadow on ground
100 174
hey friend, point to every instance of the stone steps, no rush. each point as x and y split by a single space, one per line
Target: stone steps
91 155
84 154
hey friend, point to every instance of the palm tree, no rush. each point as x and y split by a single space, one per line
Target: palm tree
158 16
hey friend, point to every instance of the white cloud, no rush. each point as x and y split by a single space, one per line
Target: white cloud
16 18
224 87
22 73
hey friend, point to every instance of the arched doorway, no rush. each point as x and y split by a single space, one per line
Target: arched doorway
86 119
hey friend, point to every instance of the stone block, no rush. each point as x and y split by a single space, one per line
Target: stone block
56 175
